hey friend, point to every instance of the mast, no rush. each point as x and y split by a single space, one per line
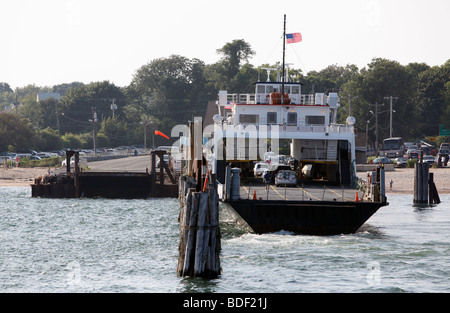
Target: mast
284 50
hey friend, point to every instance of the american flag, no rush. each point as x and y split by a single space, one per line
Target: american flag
293 38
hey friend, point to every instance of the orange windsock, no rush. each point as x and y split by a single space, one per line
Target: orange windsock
157 132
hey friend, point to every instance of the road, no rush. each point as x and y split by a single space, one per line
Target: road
128 164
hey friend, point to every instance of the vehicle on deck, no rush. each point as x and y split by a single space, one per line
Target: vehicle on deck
260 168
286 177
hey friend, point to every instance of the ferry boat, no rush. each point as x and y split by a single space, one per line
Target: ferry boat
247 126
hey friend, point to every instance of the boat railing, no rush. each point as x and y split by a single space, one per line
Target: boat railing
251 98
333 128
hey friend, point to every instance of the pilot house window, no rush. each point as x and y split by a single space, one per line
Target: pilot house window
292 118
315 120
248 119
271 117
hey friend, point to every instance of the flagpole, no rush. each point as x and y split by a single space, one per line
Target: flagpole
284 52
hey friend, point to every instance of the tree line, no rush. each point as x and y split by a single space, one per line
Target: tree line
171 90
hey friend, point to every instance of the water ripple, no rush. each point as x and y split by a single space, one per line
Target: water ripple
99 245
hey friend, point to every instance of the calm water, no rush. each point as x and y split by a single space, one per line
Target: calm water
86 245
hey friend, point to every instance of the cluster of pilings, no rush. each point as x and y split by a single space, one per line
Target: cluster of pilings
425 191
199 247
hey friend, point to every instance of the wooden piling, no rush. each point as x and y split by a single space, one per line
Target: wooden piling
433 193
425 191
420 184
199 247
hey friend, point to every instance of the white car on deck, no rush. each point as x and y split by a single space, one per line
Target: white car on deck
260 168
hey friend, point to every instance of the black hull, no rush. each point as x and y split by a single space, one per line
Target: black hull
304 217
113 185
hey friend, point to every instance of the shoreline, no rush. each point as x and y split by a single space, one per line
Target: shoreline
403 178
21 176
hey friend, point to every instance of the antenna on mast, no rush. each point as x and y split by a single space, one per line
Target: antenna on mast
284 49
268 69
287 71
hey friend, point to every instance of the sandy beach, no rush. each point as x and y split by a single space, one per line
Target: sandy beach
402 178
17 176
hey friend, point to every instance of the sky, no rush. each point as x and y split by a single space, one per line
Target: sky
50 42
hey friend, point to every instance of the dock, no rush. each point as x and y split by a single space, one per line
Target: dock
150 181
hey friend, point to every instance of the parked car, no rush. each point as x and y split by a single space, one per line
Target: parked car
429 159
72 162
401 162
166 160
5 159
259 168
382 160
44 155
26 151
23 155
286 177
82 162
412 154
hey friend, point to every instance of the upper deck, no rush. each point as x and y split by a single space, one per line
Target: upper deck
295 113
264 91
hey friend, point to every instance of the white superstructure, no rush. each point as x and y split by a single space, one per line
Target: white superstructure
309 121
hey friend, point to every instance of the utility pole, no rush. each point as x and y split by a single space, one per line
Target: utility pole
284 57
113 105
16 104
57 116
390 116
376 126
350 104
93 121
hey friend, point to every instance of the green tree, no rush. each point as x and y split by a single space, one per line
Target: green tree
445 118
15 133
382 78
41 114
226 74
432 98
115 132
71 141
5 87
77 104
48 140
168 88
233 54
330 78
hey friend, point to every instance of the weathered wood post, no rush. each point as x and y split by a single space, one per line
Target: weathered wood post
153 174
425 191
433 193
77 175
199 247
